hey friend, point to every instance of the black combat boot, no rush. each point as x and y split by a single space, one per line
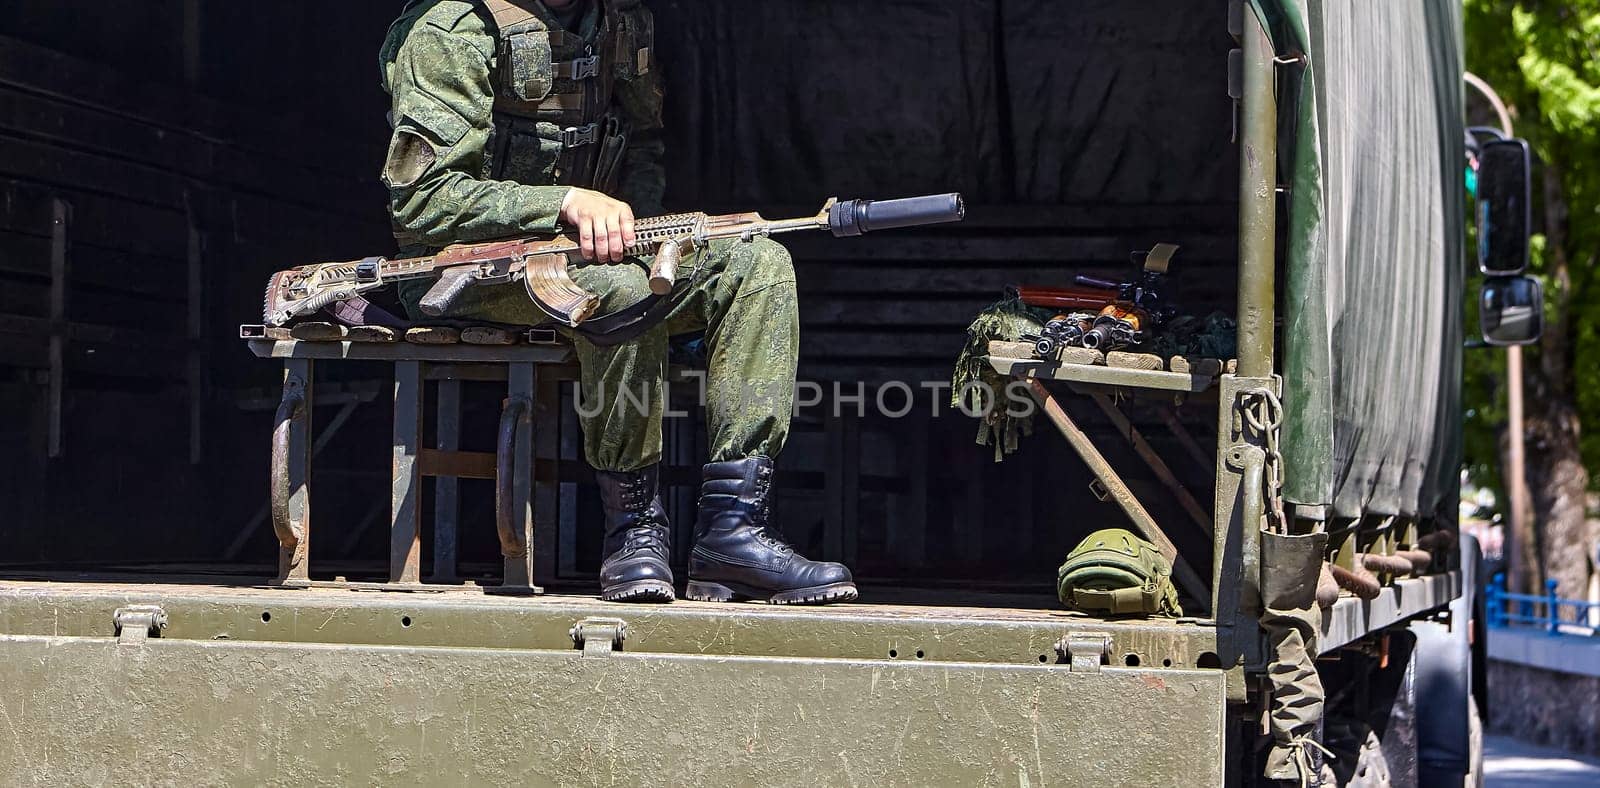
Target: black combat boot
734 555
638 539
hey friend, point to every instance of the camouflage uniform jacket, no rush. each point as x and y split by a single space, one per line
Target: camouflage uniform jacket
440 67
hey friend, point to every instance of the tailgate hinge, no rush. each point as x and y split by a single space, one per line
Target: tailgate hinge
137 623
599 637
1084 651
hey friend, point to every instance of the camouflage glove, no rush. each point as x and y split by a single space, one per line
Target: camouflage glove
1115 573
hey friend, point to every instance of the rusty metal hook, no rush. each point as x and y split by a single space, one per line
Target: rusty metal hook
512 541
290 409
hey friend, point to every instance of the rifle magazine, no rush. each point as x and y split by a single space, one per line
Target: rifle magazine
552 290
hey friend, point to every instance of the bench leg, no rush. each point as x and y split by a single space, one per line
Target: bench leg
514 487
291 474
446 489
546 491
1146 525
405 496
842 483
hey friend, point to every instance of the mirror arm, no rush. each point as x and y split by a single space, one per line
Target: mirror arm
1488 131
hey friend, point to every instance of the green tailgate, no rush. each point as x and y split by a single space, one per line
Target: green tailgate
123 707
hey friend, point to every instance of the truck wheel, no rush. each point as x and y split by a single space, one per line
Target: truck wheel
1358 758
1474 777
1372 769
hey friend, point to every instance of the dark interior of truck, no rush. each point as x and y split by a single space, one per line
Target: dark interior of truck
194 148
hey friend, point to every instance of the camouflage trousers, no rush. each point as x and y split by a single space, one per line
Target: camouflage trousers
740 293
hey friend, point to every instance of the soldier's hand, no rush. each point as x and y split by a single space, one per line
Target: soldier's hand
604 225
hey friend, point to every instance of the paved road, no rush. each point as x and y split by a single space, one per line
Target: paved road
1510 763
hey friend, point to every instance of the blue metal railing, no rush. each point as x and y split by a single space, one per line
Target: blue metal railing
1505 609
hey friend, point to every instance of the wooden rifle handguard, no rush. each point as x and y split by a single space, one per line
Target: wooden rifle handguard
664 268
1066 298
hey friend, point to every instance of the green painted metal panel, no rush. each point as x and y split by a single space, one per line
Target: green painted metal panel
93 710
465 619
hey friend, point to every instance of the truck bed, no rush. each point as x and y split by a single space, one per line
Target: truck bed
480 618
888 624
239 684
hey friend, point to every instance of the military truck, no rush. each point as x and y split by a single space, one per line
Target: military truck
1337 444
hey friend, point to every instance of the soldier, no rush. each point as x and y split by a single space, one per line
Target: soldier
514 117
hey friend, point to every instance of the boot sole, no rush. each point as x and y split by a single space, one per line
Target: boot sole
815 595
640 591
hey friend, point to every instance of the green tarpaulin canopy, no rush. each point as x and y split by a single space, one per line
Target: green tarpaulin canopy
1375 272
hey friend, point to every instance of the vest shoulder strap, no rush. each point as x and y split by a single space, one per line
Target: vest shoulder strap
513 16
510 15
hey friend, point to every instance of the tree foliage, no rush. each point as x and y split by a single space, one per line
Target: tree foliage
1543 58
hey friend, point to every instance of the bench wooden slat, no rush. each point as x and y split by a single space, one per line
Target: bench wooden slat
380 334
318 332
1122 360
488 335
456 464
433 335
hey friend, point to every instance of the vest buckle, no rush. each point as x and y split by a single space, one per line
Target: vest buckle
573 136
585 67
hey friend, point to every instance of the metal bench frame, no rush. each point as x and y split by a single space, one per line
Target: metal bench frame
511 465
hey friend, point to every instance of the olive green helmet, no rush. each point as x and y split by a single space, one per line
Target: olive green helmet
1113 572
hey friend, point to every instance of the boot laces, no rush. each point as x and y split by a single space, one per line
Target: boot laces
649 535
767 538
764 496
637 495
763 513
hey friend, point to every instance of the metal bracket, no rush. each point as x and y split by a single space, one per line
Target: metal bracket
1084 651
542 336
1098 489
137 623
599 637
369 270
1236 74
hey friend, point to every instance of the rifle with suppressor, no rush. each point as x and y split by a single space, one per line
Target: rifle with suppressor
541 263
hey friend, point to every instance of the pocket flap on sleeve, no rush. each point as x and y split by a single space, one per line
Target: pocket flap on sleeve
433 115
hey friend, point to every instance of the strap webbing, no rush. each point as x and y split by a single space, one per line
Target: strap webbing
510 14
358 311
617 327
1119 601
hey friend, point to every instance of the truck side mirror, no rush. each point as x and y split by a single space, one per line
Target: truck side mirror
1504 207
1511 310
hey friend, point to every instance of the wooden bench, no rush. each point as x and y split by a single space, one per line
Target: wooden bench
446 355
1105 378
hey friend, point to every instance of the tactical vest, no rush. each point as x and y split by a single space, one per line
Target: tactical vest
554 117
